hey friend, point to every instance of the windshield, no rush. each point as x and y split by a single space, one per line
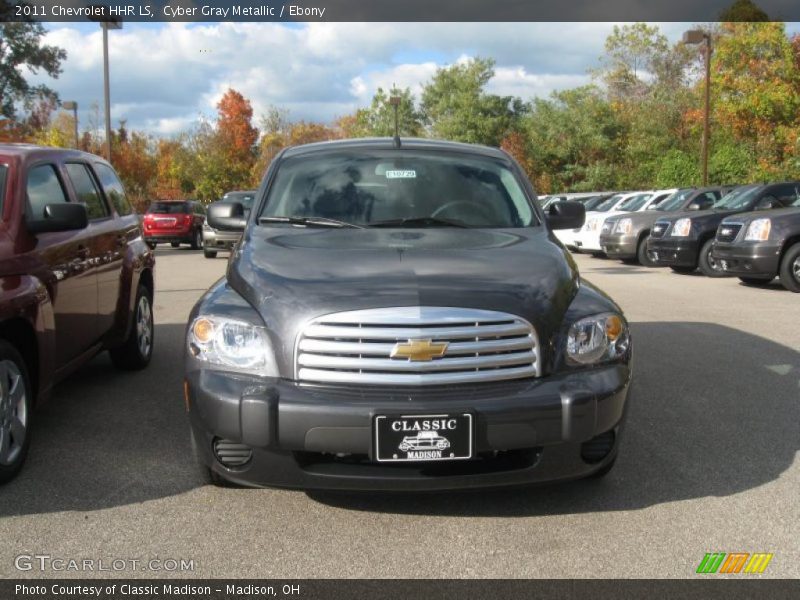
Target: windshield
591 204
738 198
607 205
424 188
167 208
634 202
674 201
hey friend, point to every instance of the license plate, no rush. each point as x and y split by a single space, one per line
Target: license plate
165 223
410 438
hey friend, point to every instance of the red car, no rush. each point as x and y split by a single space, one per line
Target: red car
175 221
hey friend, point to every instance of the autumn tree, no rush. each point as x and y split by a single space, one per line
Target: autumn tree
756 94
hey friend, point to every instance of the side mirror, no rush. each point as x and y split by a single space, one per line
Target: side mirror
767 202
566 214
227 216
700 204
63 216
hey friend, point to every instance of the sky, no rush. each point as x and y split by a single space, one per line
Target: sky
165 76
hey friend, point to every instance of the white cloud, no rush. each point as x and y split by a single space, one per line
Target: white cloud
164 76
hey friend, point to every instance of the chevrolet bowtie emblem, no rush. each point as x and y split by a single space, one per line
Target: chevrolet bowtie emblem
419 349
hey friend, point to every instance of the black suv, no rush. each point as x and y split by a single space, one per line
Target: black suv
756 246
381 291
684 241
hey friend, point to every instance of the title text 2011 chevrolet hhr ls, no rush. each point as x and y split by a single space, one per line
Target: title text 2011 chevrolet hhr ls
382 290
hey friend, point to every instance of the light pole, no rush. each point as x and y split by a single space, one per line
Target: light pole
107 23
395 102
697 36
73 106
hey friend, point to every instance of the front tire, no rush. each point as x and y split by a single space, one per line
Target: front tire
15 411
790 269
641 253
709 266
152 245
137 350
209 253
175 244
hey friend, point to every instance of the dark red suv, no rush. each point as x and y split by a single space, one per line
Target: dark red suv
175 221
76 278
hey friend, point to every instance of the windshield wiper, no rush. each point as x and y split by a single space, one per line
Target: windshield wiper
309 222
419 221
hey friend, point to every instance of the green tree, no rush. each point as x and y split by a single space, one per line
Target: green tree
455 105
378 119
574 136
21 50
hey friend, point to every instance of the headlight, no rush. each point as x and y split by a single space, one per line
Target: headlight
681 228
231 343
597 339
758 230
624 226
593 224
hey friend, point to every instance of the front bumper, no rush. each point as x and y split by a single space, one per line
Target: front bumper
314 437
588 241
219 240
673 252
618 245
748 259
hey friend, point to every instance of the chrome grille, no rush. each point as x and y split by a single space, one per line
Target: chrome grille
660 229
727 232
357 346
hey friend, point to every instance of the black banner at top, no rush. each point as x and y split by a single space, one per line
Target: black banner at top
397 10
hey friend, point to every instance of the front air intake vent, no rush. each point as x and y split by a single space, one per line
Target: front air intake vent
232 454
597 448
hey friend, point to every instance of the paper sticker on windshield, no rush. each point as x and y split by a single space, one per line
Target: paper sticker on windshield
406 174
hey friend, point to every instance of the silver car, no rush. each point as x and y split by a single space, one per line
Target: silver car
215 240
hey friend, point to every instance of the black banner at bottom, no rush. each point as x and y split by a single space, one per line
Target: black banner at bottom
367 589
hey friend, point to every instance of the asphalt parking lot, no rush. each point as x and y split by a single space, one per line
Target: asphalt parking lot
708 464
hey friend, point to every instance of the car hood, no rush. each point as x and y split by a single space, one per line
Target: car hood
291 275
699 216
777 214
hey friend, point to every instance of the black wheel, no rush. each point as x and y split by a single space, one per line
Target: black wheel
175 244
682 270
152 245
755 281
790 269
209 253
709 266
135 353
197 239
605 470
641 253
15 411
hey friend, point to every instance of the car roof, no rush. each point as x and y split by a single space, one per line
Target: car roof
32 152
388 144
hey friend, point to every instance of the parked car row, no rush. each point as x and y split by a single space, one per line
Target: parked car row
749 231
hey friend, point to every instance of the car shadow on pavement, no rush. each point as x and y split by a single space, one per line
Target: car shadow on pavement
713 411
109 438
